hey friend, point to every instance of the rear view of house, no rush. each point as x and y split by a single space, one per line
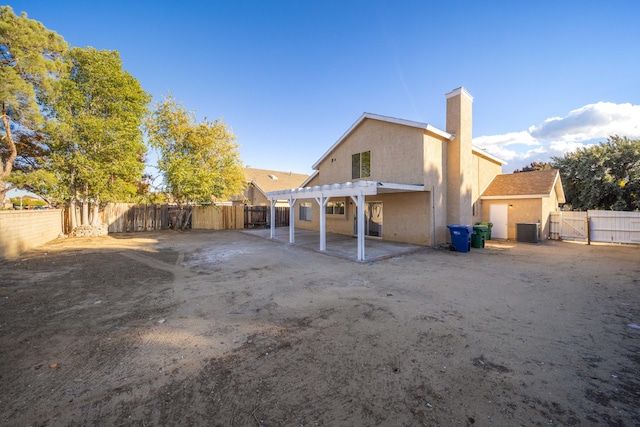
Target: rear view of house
397 179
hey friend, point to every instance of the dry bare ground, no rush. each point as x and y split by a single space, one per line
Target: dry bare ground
226 329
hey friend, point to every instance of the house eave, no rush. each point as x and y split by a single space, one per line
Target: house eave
418 125
308 180
484 153
519 196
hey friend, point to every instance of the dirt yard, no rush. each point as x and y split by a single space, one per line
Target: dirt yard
227 329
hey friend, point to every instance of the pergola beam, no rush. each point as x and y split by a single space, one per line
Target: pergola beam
357 191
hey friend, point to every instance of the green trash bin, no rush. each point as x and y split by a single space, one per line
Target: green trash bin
488 225
479 236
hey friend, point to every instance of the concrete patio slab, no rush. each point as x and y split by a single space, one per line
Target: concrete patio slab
340 245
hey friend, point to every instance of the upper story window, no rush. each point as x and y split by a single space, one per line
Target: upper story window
361 165
334 208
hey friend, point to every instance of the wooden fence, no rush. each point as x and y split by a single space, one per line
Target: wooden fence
128 217
596 226
217 217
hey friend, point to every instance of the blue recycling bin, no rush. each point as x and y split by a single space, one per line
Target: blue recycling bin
460 237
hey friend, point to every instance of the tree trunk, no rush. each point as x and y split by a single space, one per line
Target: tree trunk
73 220
178 223
95 217
85 212
7 166
85 206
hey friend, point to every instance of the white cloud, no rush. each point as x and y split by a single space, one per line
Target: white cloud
505 140
558 135
591 121
565 146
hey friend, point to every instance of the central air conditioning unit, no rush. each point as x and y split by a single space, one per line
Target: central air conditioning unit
528 232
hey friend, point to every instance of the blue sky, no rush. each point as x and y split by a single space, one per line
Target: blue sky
289 77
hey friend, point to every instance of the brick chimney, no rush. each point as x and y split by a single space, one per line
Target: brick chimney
459 179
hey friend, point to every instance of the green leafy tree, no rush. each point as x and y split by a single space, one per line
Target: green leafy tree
27 202
200 162
30 61
535 166
95 135
603 176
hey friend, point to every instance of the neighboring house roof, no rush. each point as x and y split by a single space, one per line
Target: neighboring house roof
269 180
525 184
424 126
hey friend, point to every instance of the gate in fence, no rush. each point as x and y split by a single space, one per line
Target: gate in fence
568 225
596 226
258 216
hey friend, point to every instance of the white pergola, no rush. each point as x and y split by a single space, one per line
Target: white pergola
357 191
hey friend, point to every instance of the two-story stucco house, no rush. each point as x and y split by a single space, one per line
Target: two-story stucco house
396 179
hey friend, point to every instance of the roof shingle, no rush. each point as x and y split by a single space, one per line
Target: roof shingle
270 180
522 184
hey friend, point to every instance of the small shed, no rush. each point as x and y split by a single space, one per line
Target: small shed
524 197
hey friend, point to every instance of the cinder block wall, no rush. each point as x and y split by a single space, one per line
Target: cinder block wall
23 230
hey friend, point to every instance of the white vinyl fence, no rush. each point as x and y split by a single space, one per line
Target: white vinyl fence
596 226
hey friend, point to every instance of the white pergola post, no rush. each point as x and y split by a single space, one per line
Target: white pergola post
359 201
356 190
292 220
272 222
322 201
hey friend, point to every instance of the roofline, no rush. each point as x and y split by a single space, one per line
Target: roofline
258 187
520 196
483 152
308 180
403 122
561 197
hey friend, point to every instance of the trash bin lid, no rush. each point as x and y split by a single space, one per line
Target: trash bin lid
458 227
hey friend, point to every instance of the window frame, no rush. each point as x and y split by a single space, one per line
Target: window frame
361 165
337 208
306 208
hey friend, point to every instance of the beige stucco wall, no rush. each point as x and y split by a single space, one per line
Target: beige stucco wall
549 204
529 210
399 154
396 154
484 170
406 217
257 198
435 157
519 210
23 230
